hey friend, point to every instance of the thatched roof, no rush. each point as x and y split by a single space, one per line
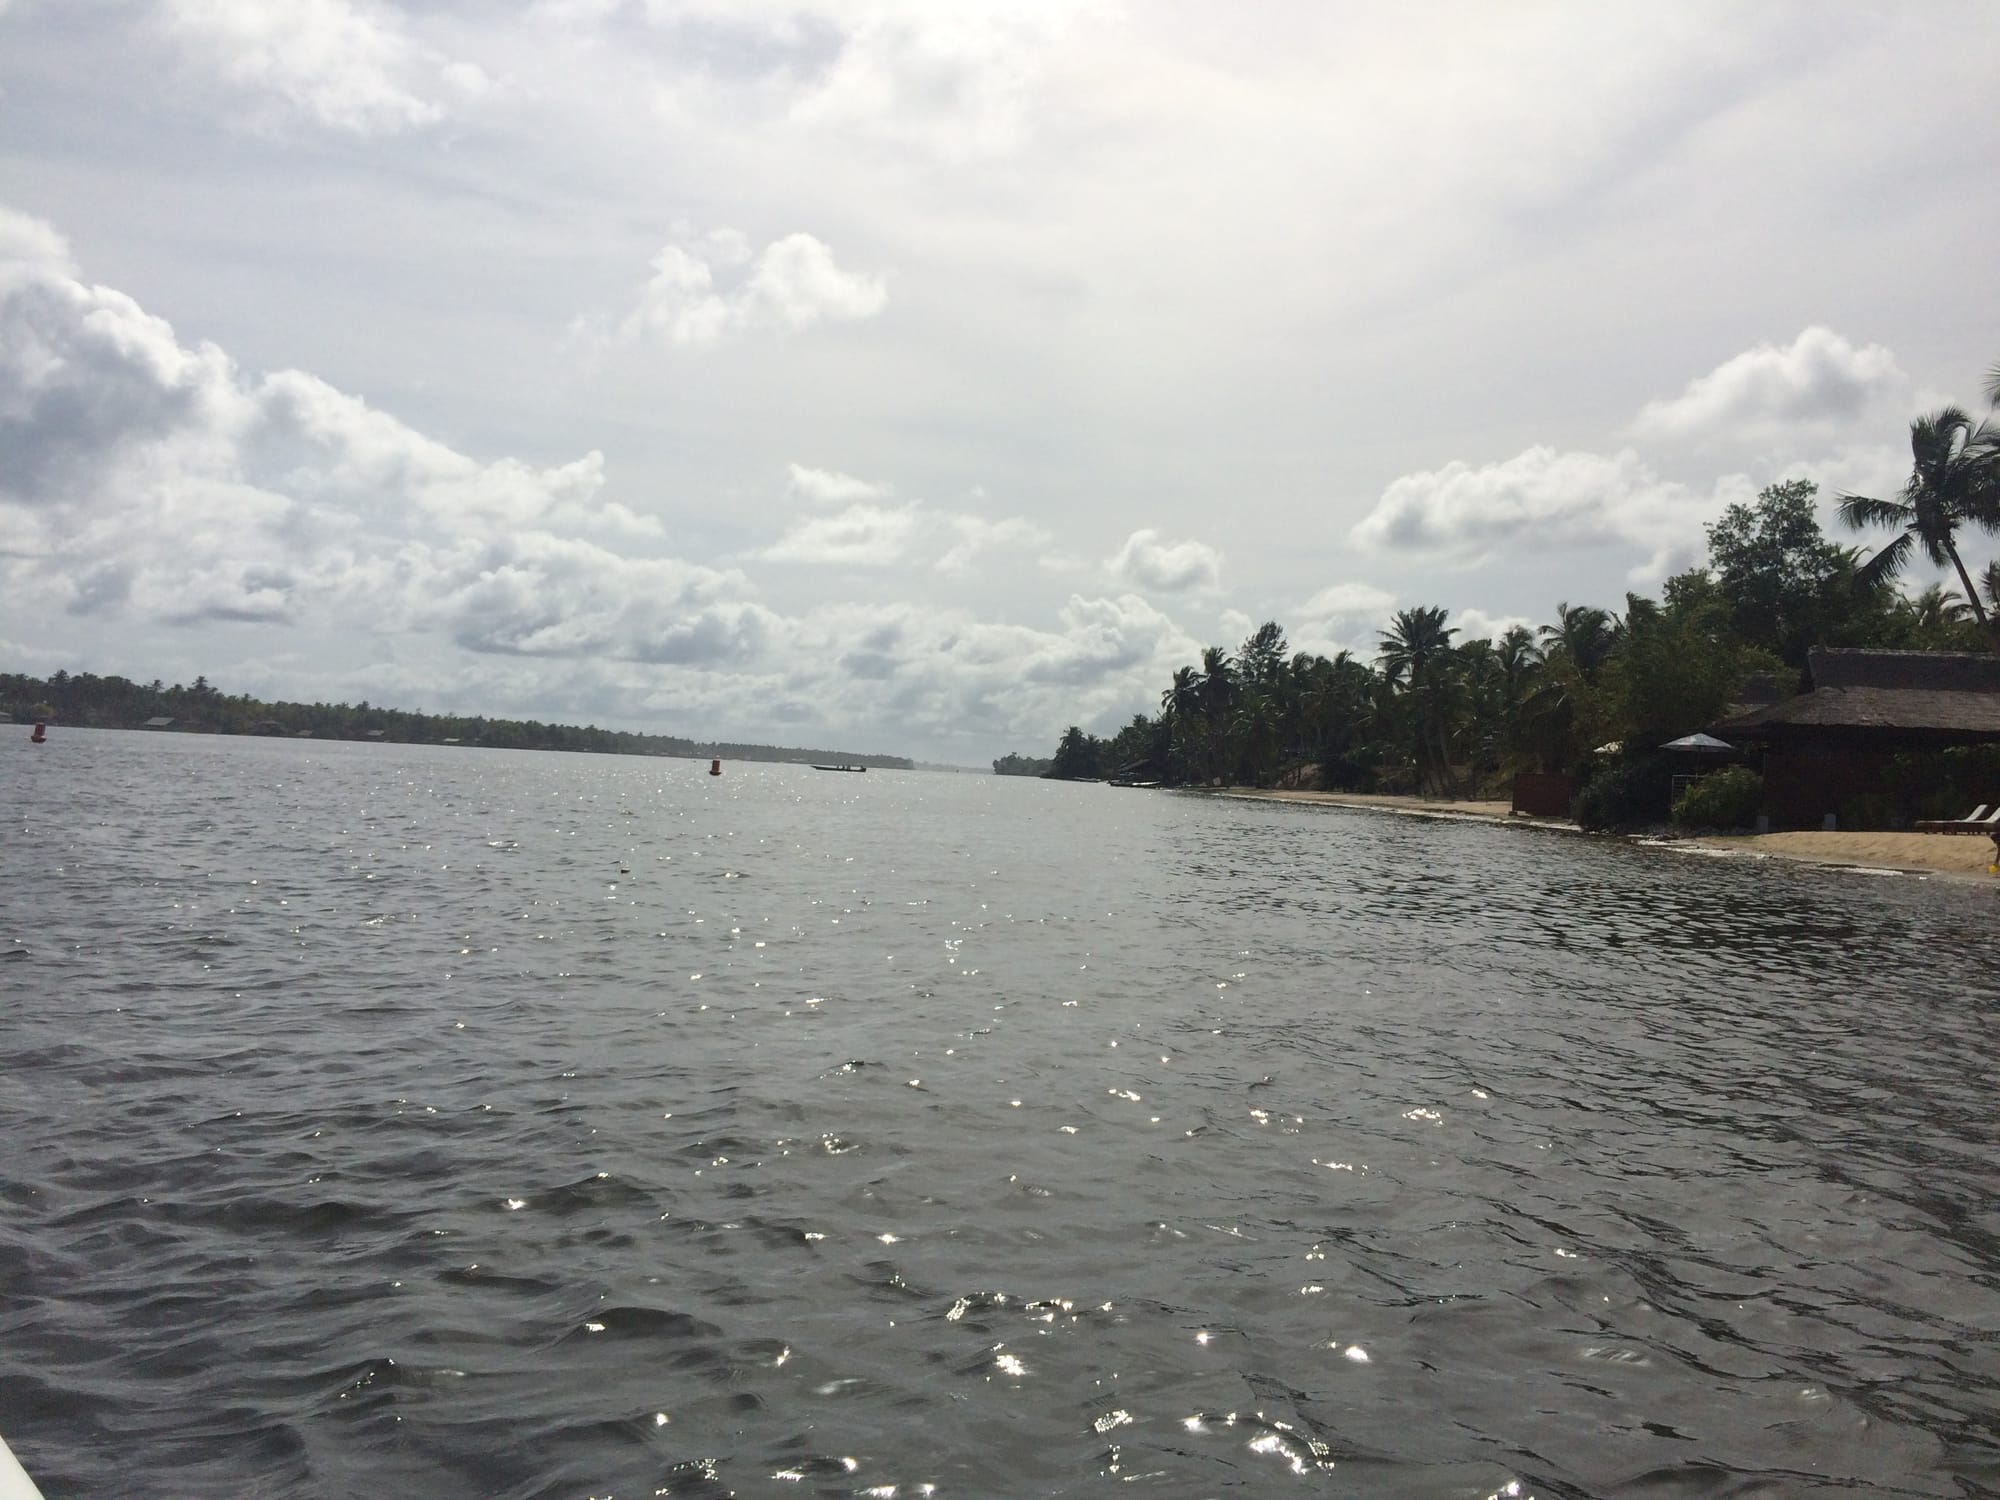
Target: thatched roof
1927 693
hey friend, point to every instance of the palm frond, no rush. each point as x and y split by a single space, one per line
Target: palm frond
1859 512
1886 564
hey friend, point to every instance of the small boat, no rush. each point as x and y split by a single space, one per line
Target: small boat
840 768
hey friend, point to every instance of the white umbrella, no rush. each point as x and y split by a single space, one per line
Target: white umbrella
1706 744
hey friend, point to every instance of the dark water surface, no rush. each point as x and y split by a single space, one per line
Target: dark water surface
388 1121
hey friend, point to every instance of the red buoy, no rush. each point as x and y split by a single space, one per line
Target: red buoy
715 768
41 734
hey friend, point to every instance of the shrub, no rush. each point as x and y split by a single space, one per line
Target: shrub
1623 794
1721 799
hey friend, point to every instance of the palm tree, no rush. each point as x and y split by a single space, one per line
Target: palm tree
1954 481
1218 699
1415 639
1935 618
1516 656
1416 653
1584 633
1255 726
1180 706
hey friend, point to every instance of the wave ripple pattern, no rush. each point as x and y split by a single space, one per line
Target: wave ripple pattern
408 1121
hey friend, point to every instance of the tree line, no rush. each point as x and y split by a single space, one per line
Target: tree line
1436 714
117 703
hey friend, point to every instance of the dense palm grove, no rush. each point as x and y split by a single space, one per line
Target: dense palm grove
1439 715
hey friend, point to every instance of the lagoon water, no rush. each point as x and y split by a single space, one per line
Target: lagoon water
401 1121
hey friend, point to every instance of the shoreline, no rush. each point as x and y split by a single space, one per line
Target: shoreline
1927 856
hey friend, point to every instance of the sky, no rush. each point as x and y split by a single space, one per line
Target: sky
922 378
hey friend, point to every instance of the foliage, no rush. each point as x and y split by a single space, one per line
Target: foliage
1080 757
1943 783
1626 793
1020 765
1677 670
1416 657
1954 483
1722 799
1787 586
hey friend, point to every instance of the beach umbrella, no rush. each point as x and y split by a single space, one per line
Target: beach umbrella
1701 744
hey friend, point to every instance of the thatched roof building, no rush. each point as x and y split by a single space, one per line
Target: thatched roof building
1946 697
1831 745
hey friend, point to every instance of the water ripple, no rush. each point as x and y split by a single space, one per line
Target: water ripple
383 1119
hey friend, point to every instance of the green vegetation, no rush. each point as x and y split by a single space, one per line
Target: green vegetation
1021 765
115 703
1593 692
1721 799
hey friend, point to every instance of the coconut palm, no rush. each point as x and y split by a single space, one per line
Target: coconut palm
1583 633
1936 614
1954 481
1180 706
1416 655
1515 655
1218 700
1415 640
1255 732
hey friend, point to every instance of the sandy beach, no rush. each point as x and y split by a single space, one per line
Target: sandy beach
1924 853
1437 805
1951 854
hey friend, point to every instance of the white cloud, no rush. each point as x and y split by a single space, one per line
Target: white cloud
536 594
1477 624
1169 567
152 480
1818 382
793 284
30 247
946 667
1234 624
871 536
166 487
1543 499
344 64
1347 601
1341 617
830 486
976 535
959 81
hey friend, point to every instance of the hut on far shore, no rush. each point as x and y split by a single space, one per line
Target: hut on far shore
1827 751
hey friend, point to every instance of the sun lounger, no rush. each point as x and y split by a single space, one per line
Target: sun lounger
1979 820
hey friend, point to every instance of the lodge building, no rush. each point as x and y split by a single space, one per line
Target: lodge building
1828 750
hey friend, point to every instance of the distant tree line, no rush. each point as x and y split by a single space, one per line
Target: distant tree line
1434 714
116 703
1021 765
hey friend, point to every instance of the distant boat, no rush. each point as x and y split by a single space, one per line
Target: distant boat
840 768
